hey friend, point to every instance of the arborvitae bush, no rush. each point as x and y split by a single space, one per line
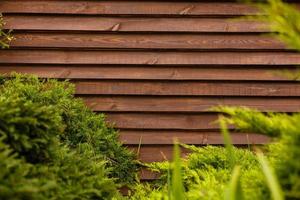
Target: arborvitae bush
30 129
79 125
15 181
206 173
53 147
285 152
36 165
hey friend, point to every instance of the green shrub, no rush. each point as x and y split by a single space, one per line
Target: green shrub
30 129
53 147
284 154
283 20
206 173
79 124
15 181
35 164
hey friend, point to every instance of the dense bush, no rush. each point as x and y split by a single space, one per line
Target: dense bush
205 174
285 153
80 125
53 147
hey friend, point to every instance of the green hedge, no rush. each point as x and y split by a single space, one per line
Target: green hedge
53 147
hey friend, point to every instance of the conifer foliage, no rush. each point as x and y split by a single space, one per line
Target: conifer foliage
53 147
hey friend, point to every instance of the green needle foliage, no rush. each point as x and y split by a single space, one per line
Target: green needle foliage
53 147
206 173
5 36
284 153
36 165
283 20
75 123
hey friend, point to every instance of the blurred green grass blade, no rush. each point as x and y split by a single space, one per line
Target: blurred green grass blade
228 142
271 178
177 183
234 190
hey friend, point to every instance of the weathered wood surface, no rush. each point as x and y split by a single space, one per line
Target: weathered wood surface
88 7
146 41
155 68
109 57
187 104
131 24
143 72
188 88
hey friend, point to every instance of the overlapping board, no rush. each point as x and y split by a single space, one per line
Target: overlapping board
155 67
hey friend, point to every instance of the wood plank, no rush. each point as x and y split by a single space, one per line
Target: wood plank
150 137
148 58
153 153
157 153
160 121
88 7
259 73
145 41
187 104
131 24
188 88
147 175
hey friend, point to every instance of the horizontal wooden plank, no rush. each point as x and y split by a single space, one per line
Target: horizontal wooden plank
148 58
187 104
156 153
147 175
159 121
131 24
145 41
88 7
188 88
152 73
148 137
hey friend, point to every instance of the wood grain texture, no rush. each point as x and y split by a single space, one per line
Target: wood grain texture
161 121
131 24
187 88
184 8
157 153
148 58
150 137
187 104
155 68
145 41
105 72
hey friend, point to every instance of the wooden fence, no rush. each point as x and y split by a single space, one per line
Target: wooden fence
154 67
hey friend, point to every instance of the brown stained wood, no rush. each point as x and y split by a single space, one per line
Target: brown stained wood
125 7
259 73
153 153
147 175
157 153
148 58
187 104
187 88
145 41
154 67
162 121
148 137
131 24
